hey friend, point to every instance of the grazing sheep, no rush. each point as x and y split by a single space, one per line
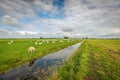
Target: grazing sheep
47 42
68 41
43 41
40 43
53 41
10 42
61 40
31 49
36 43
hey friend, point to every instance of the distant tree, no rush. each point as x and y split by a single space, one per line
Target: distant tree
86 38
41 37
66 37
83 38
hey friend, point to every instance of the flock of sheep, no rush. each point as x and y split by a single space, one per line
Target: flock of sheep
31 49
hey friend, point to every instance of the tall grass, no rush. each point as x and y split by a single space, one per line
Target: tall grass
105 61
94 60
78 65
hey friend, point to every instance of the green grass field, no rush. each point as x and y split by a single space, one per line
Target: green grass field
94 60
15 54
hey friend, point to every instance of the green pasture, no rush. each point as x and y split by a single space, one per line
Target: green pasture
15 54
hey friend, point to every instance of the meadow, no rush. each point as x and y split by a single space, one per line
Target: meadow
14 52
94 60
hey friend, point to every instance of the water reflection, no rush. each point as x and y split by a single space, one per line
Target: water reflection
31 62
28 77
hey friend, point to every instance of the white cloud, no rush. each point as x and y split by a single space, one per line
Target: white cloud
27 32
21 32
90 18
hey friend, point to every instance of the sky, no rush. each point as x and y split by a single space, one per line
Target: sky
59 18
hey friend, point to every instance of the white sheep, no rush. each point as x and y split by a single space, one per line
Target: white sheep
36 43
43 41
31 49
47 42
10 42
40 43
53 41
61 40
68 41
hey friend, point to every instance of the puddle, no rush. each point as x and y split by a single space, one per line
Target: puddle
41 68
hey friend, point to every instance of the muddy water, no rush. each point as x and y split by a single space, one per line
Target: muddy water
42 68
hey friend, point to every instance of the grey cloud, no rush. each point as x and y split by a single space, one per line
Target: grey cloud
4 33
104 3
29 1
67 29
17 8
45 6
111 35
8 20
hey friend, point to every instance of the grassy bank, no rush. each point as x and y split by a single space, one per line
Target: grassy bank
94 60
15 54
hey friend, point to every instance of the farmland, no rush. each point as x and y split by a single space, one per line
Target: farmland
94 60
14 52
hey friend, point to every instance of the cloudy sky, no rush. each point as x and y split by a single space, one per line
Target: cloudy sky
58 18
